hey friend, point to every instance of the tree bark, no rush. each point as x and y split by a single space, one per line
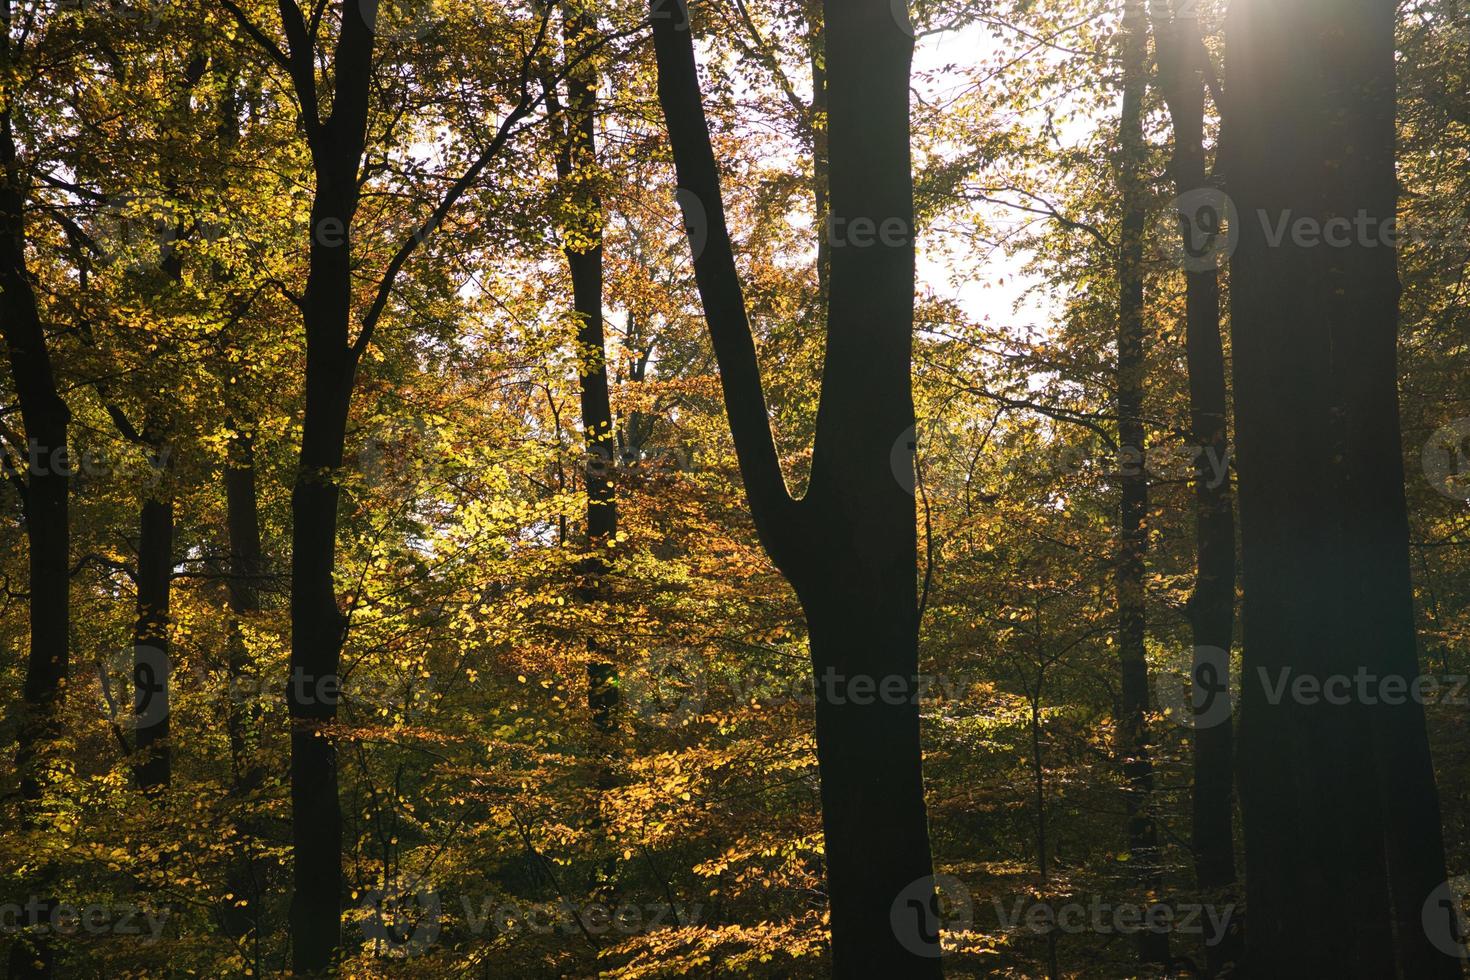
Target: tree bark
1183 70
318 625
152 668
1132 735
242 519
1340 810
849 548
42 476
576 165
151 643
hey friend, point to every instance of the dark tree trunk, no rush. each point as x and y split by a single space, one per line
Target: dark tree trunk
576 163
151 644
1133 737
318 625
850 546
1183 72
816 53
152 668
1341 814
242 519
41 475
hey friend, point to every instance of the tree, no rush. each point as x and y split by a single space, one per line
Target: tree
575 147
39 470
1133 530
849 546
1340 810
1185 74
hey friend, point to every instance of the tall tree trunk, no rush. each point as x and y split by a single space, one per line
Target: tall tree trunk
1183 72
42 476
318 625
1340 810
242 519
152 668
576 164
817 55
850 546
1133 738
151 642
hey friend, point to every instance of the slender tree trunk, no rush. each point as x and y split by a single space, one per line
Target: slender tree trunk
44 474
242 519
318 625
577 169
43 477
151 642
1341 815
1183 70
850 546
1038 781
817 54
1133 738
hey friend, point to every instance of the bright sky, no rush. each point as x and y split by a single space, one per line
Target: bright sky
997 283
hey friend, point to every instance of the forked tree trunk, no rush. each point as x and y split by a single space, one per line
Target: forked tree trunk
1183 70
1133 737
849 548
1341 814
318 625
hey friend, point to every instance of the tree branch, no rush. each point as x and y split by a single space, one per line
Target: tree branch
718 279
